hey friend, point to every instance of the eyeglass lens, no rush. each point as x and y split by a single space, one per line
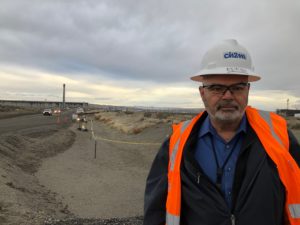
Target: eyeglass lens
221 89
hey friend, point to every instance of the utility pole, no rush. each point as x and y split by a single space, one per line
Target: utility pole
64 96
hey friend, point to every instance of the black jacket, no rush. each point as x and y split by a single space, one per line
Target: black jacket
258 194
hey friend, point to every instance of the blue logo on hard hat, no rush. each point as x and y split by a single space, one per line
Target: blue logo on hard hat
236 55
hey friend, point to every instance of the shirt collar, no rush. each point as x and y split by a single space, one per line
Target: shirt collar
208 128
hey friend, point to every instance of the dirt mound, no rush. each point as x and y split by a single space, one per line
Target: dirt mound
13 111
26 149
23 200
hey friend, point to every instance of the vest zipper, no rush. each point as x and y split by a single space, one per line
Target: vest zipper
232 219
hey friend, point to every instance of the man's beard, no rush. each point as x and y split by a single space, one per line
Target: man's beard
224 116
228 117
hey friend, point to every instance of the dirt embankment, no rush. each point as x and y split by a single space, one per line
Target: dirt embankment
136 122
14 111
23 200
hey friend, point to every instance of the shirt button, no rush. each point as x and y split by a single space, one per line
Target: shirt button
229 193
227 146
229 169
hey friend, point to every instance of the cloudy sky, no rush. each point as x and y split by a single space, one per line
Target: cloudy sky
143 52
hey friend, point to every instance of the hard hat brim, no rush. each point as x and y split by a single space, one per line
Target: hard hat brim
226 71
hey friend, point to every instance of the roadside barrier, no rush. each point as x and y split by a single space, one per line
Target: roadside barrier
94 137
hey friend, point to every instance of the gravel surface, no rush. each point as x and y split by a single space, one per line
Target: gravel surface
109 186
113 221
49 174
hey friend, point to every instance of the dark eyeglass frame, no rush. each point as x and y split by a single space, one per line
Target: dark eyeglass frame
221 89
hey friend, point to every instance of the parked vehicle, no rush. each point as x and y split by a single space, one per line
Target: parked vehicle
47 112
75 117
79 110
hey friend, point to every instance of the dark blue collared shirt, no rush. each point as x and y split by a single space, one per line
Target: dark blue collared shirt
205 156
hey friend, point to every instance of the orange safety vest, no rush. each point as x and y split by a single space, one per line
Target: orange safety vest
271 130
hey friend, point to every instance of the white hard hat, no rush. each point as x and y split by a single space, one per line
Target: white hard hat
227 58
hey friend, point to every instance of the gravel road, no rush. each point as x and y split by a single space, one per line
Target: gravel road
113 221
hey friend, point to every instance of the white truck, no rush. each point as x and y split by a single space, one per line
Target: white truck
76 116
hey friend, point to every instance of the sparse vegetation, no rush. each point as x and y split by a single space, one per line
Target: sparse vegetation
163 115
136 122
147 114
128 112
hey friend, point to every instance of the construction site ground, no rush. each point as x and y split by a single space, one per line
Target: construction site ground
51 174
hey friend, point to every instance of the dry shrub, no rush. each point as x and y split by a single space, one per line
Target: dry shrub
163 115
147 114
97 116
128 112
137 130
106 120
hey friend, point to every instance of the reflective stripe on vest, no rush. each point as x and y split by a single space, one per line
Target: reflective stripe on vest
175 148
180 135
271 130
172 219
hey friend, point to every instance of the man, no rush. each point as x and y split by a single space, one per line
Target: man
231 164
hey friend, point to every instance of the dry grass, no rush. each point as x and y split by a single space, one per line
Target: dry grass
134 123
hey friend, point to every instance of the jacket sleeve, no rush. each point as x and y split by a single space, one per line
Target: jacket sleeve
294 147
157 188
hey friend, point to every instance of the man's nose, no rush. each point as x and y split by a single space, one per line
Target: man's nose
227 94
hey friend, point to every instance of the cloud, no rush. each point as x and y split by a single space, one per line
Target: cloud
273 99
128 46
37 85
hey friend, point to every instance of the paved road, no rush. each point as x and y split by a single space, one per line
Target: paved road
36 120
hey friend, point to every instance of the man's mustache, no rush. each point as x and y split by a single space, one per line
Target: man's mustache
227 104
